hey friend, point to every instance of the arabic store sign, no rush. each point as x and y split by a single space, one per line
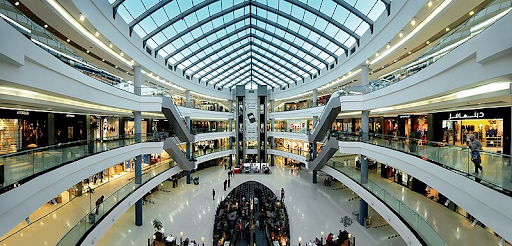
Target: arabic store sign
461 116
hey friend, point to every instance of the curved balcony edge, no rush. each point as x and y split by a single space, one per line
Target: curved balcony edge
292 135
296 157
18 203
487 205
214 155
213 135
104 224
380 207
485 57
25 64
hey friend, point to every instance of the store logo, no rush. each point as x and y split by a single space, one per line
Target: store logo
23 112
70 116
476 115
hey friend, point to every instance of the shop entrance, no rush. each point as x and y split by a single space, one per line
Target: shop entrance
488 131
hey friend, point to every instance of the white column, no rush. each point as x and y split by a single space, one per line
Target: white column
187 98
315 98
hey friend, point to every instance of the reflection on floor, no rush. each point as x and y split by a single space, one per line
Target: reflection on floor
452 227
191 210
51 222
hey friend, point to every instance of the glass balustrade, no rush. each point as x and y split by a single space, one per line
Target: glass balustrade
208 130
408 215
206 151
300 152
496 167
20 166
481 20
98 212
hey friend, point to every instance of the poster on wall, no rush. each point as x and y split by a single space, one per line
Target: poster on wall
251 122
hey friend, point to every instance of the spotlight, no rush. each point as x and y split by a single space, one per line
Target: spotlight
447 202
474 222
82 17
401 34
17 3
413 22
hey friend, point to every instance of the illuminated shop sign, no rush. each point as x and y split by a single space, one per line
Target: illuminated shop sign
458 116
23 112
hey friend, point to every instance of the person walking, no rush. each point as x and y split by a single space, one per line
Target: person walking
229 182
225 184
213 193
475 146
282 194
256 204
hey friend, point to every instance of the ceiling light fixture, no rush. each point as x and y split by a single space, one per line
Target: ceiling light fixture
367 61
68 40
82 17
96 33
87 51
472 13
388 46
17 3
401 34
418 27
447 29
428 42
430 3
79 27
45 25
413 22
110 45
377 54
121 54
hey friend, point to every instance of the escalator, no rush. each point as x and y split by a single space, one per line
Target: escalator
175 119
329 114
328 150
171 146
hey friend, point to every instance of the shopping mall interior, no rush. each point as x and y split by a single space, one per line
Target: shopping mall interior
255 122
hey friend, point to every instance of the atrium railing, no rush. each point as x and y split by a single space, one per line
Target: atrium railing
301 130
83 227
201 152
409 216
295 151
496 167
20 167
208 130
480 21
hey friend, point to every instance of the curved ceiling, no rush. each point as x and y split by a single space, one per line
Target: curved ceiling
250 42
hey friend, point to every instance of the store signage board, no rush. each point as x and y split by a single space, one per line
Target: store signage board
459 116
404 116
23 112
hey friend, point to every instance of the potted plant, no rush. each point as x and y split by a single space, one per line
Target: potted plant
346 221
159 233
93 127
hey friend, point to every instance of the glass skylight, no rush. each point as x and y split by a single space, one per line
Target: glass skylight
267 42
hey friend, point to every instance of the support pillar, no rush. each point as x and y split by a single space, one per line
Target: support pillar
365 120
230 139
314 176
315 98
187 98
137 117
188 176
272 156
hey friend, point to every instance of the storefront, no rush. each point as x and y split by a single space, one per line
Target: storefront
21 130
129 126
486 124
69 127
